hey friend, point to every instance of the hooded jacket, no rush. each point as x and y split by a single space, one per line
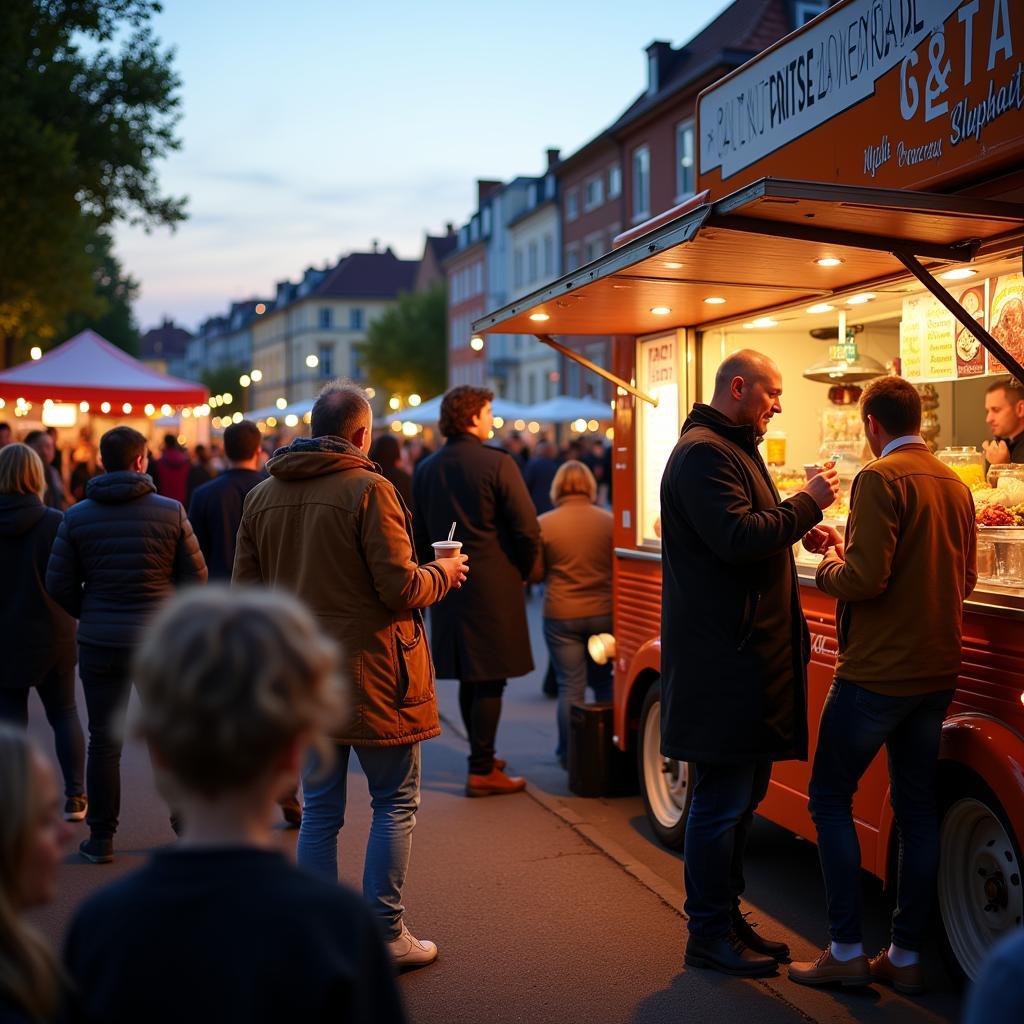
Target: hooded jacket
327 526
173 469
33 624
734 642
118 555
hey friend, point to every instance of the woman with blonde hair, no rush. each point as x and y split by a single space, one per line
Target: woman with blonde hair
32 841
576 563
33 624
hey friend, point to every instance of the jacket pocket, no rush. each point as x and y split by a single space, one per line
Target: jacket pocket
415 667
750 604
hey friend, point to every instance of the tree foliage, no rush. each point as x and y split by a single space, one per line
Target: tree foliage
406 349
88 106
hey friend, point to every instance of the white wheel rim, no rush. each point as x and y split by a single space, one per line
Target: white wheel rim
980 893
666 781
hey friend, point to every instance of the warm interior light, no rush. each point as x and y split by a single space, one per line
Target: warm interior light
244 380
414 399
540 317
958 275
660 310
257 375
820 307
260 309
370 393
83 406
105 407
150 409
236 417
312 361
396 427
166 410
36 353
186 412
579 426
519 424
673 266
499 422
227 398
476 343
828 261
601 648
859 300
409 429
394 402
533 427
271 421
592 425
291 420
762 321
714 300
610 433
281 403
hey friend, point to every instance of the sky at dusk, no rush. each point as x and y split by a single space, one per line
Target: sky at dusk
313 127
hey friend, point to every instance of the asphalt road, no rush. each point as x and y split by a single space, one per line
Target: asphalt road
550 907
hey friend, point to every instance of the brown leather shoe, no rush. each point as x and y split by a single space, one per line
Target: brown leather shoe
497 783
908 980
500 763
827 970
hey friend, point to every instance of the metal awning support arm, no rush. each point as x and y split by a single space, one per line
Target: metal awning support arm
599 370
912 264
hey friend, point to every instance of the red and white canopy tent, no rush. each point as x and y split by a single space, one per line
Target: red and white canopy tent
88 368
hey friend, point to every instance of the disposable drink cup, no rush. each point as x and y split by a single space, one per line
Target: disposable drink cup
811 469
447 548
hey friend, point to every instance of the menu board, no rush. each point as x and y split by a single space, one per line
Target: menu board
659 374
1006 316
934 345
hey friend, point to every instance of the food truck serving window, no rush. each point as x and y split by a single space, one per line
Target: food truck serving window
661 373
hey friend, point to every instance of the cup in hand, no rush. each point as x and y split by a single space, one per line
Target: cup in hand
447 548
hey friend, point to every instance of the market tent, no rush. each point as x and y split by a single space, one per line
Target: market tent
566 409
427 413
88 368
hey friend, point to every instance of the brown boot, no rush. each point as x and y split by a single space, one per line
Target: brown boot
497 783
908 980
827 970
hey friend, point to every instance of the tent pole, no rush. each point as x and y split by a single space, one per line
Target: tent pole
599 370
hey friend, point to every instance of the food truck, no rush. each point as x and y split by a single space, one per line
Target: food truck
859 213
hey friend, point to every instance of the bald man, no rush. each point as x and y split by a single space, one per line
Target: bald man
734 645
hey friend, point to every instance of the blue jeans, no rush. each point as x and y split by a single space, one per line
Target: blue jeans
725 797
393 775
574 670
855 722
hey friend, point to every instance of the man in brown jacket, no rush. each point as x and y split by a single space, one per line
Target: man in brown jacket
329 527
901 578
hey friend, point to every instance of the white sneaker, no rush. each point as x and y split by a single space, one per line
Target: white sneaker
408 951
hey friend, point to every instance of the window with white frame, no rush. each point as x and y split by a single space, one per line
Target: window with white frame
532 262
686 164
325 353
355 362
641 183
355 319
592 247
614 181
517 268
593 193
572 204
478 278
549 256
326 318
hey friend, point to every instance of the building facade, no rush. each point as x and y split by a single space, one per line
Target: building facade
165 347
226 342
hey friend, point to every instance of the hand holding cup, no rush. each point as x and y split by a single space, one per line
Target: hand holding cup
449 557
823 487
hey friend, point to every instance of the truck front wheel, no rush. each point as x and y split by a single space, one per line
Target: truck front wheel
664 783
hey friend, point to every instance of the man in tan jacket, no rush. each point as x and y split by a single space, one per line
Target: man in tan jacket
330 528
907 565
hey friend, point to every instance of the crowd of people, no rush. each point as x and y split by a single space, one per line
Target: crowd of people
310 645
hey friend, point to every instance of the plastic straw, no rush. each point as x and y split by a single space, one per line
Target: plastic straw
451 532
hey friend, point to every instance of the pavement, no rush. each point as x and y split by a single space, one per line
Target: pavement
547 906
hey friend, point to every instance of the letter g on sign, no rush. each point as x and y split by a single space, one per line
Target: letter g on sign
909 93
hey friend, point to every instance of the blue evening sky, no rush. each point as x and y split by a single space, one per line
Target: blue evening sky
311 127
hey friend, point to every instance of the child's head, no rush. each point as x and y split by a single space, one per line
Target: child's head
33 835
234 683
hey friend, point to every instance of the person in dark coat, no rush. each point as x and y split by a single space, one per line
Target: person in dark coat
42 443
539 474
172 470
201 472
34 626
216 507
117 556
734 645
479 635
387 453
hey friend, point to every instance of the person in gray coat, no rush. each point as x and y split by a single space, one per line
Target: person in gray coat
117 556
479 634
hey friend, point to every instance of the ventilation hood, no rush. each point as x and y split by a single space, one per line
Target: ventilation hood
845 371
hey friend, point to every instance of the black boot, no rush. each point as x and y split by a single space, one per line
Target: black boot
758 943
729 955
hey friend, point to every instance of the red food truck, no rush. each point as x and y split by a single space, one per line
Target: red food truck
820 237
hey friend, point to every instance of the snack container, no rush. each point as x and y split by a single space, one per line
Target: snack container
967 462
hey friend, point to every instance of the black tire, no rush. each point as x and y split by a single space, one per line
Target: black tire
664 783
975 909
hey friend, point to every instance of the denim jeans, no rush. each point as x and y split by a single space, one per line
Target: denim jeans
574 670
725 797
56 689
855 722
393 775
106 680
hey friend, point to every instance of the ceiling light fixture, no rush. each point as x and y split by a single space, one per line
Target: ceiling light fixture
859 300
958 275
660 310
539 317
820 307
714 300
828 261
673 266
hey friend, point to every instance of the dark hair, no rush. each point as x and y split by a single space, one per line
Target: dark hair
4 425
340 410
895 404
32 436
1013 389
170 441
120 447
386 450
460 406
242 441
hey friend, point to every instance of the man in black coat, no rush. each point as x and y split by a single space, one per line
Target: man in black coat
117 556
215 510
479 634
734 644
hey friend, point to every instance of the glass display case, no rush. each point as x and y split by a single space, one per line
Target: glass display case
967 462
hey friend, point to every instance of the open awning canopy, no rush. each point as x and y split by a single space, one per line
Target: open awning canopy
773 243
88 368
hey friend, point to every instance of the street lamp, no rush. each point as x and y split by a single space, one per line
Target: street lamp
257 376
414 400
312 361
245 380
476 343
394 402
